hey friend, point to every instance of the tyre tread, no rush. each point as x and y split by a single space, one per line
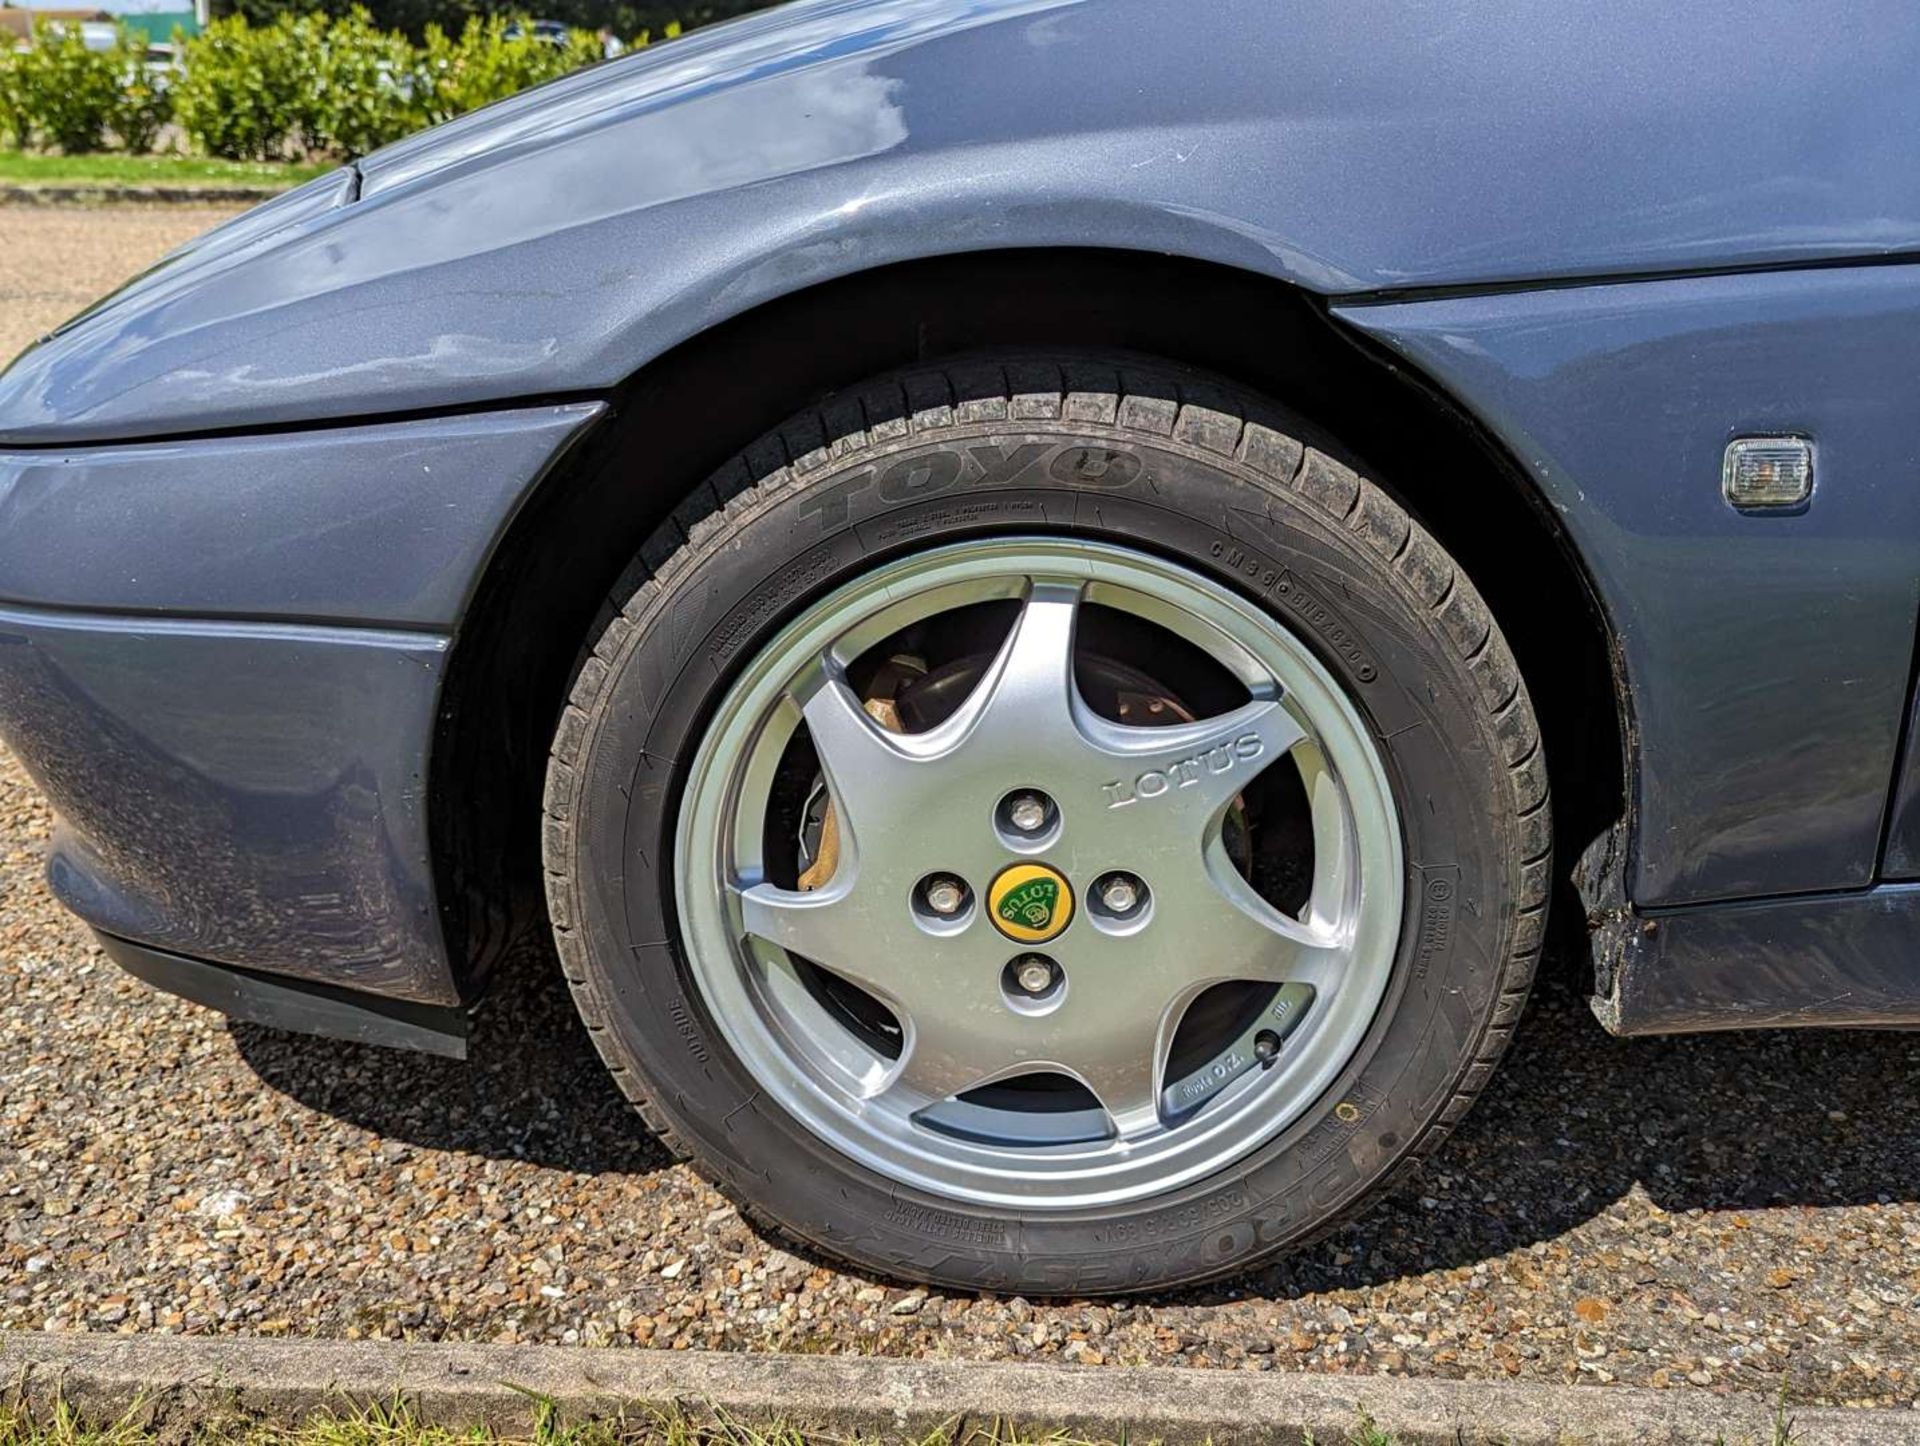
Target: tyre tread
1126 396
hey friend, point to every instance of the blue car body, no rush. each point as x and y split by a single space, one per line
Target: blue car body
250 504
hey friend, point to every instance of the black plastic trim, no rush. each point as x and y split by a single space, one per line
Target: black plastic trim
268 430
1840 960
296 1004
1445 291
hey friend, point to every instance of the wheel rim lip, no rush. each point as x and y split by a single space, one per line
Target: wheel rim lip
1253 1111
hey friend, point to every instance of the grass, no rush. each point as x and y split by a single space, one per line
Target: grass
29 168
398 1426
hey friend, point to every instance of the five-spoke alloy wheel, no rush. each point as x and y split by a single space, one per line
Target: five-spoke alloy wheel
1048 825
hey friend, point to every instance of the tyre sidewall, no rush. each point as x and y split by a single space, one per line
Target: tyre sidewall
1222 520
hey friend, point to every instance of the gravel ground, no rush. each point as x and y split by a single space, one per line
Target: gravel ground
53 261
1714 1212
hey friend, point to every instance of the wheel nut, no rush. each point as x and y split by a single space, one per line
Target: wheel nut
1027 812
1034 974
1120 893
944 894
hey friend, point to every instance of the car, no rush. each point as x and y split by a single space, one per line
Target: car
1038 595
546 32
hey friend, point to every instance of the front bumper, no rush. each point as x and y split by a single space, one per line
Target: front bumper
249 793
222 660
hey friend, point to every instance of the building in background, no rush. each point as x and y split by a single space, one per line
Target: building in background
156 19
16 22
160 18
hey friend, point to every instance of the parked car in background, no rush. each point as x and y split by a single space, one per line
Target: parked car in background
548 32
1039 594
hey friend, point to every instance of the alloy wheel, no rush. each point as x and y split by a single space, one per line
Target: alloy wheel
998 918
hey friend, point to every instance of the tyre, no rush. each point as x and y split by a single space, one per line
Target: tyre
1048 825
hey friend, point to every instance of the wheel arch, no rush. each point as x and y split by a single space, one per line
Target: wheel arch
572 541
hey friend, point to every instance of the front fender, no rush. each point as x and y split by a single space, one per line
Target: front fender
1768 656
558 242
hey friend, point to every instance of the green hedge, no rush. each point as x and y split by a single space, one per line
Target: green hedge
245 92
60 93
344 86
307 85
626 17
455 76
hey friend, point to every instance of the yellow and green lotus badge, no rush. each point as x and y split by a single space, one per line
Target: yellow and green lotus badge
1031 903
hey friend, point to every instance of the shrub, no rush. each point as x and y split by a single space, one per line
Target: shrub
13 123
316 84
142 103
627 17
246 93
485 65
67 94
299 85
365 87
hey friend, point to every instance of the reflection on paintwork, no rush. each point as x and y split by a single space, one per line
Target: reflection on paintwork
558 242
233 240
809 108
283 830
380 524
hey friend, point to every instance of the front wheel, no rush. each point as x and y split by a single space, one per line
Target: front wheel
1049 827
